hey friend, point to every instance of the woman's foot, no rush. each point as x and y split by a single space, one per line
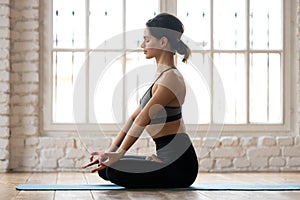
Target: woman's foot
154 158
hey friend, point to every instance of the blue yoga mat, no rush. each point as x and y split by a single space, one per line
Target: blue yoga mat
232 187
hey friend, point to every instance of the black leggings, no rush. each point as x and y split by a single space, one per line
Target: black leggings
179 168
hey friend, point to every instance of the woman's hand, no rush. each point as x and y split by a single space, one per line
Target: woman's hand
103 159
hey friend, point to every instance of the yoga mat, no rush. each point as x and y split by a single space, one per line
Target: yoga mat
206 187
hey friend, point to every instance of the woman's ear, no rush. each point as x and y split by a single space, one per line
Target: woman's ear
164 42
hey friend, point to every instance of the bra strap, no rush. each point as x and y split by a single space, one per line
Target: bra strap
163 73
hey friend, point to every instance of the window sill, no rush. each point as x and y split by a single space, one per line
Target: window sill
63 130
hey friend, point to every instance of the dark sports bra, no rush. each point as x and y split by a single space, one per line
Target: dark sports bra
167 114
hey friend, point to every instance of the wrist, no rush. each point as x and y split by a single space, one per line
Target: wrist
113 148
121 152
127 125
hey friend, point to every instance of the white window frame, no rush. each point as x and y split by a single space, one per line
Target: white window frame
289 63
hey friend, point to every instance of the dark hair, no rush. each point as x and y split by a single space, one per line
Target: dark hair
169 26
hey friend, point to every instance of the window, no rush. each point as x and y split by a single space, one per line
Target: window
94 43
237 76
240 42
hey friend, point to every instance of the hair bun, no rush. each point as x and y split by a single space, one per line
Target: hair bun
180 48
183 49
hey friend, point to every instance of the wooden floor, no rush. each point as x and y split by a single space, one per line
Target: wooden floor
8 181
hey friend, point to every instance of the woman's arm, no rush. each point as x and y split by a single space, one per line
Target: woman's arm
121 135
162 96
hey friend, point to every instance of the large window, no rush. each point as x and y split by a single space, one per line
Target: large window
93 48
237 77
244 40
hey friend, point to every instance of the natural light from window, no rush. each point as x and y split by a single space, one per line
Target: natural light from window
244 47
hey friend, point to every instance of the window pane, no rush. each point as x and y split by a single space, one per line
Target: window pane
232 70
66 66
266 24
68 24
265 88
258 88
138 12
136 20
196 108
275 89
106 24
105 87
140 73
195 16
229 24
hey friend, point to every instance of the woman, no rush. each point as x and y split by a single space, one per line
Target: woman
175 163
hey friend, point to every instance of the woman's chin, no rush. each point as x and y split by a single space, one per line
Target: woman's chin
148 56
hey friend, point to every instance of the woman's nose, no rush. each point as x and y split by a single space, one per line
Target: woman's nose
143 45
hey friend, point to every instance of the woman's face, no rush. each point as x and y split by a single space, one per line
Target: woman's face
151 45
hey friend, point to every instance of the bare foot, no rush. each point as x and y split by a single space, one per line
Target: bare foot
154 158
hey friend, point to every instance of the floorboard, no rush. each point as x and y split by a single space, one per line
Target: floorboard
8 181
72 178
39 178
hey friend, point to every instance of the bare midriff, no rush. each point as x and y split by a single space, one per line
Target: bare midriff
169 128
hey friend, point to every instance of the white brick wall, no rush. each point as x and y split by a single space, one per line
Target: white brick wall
4 83
24 148
24 59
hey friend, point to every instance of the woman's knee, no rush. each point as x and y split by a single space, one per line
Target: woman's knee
103 174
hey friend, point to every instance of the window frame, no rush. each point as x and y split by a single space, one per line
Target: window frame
288 59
